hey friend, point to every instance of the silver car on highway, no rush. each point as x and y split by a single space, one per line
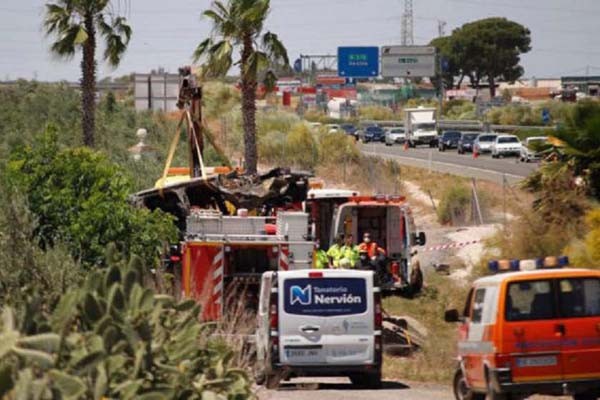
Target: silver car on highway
394 135
506 145
483 143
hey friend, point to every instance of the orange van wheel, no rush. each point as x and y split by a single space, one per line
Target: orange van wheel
461 389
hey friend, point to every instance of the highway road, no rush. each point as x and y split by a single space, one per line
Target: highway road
483 167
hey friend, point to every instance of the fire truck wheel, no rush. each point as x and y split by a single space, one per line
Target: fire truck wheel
461 390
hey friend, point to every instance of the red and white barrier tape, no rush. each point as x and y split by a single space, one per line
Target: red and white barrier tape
451 245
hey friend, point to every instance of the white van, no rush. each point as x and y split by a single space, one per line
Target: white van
319 323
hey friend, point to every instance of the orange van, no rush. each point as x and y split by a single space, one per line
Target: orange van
530 332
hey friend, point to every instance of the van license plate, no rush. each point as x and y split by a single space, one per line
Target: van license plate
302 354
545 361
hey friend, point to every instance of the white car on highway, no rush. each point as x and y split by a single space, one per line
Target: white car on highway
394 136
530 148
483 143
506 145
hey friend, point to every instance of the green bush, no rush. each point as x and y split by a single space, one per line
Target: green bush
271 147
454 205
378 113
25 269
300 147
459 109
336 148
114 338
79 198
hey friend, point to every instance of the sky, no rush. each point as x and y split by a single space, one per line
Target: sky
565 33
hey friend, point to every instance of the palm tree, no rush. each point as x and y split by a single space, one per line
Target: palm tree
76 24
239 24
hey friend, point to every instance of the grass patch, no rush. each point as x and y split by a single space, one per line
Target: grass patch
436 361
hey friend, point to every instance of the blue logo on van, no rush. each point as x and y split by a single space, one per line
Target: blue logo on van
325 296
299 295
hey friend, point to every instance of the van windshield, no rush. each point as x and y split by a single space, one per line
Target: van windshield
325 296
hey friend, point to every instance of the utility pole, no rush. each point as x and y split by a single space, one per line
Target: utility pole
407 24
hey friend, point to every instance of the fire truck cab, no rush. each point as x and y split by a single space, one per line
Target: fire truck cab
530 332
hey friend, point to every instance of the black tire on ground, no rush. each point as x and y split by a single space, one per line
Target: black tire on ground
461 390
370 380
388 144
585 396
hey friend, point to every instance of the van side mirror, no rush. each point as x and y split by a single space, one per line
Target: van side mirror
452 316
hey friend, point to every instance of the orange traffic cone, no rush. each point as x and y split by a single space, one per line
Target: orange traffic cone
475 153
405 145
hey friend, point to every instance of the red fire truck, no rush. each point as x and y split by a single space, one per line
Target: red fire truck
224 256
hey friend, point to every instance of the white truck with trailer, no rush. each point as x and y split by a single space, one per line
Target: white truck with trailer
421 126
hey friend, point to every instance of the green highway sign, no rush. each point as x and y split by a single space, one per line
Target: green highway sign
408 61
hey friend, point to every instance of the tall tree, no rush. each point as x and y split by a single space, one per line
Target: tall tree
76 25
238 24
490 48
448 48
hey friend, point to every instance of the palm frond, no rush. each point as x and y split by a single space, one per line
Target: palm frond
65 45
117 35
57 19
219 58
201 49
274 48
254 12
216 18
221 9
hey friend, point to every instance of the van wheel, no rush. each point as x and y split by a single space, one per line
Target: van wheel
368 380
462 390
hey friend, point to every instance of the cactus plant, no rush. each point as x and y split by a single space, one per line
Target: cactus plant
115 338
